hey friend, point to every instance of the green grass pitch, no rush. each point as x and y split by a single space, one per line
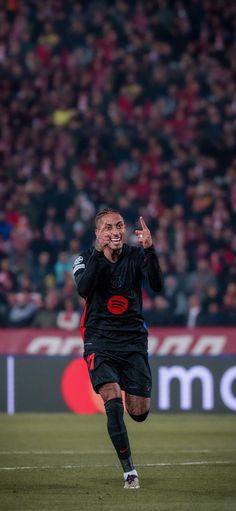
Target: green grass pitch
66 462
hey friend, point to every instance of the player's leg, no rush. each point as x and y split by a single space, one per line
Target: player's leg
137 406
111 395
137 382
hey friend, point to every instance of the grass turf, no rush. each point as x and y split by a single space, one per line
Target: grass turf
66 462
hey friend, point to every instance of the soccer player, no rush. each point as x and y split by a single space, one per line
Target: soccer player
109 276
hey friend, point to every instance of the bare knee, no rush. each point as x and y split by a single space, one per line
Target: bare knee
138 407
109 391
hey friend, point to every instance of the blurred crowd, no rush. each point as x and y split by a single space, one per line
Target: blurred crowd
130 105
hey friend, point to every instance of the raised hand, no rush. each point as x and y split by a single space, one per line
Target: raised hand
144 235
102 240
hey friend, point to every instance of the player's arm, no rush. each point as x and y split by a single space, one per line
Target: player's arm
150 266
86 271
151 269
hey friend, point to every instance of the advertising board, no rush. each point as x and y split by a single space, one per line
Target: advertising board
61 383
162 341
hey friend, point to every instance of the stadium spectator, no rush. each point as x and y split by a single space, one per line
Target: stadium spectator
43 270
211 315
23 309
68 318
8 277
160 314
4 307
5 226
194 310
201 279
62 266
46 317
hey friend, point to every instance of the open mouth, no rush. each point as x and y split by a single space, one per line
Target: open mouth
115 240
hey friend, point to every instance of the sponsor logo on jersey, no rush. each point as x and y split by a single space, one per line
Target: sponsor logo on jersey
117 304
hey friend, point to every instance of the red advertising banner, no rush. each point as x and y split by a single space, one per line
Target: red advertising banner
162 341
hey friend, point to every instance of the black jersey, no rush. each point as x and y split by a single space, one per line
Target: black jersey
113 318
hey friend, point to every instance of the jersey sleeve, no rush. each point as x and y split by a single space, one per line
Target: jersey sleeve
86 269
151 270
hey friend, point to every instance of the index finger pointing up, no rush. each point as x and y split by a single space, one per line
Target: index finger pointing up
143 225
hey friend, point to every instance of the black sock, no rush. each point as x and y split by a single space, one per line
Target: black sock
118 433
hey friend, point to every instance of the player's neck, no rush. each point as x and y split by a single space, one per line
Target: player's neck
112 255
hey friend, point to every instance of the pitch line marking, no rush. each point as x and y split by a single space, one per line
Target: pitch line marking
71 452
71 467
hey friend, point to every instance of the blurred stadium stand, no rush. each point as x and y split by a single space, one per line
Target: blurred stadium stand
130 105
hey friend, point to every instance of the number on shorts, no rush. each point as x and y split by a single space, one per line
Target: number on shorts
90 361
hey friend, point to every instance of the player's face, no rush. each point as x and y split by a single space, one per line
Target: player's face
112 226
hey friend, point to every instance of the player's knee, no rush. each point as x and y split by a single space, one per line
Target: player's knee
109 391
140 417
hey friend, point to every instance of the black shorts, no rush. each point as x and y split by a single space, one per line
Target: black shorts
130 370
